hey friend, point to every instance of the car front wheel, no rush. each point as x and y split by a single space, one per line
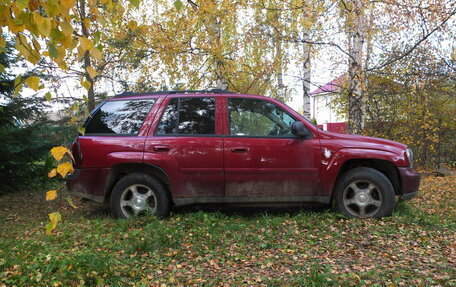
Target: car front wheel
364 193
136 194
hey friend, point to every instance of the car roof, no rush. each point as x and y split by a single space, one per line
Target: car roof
185 93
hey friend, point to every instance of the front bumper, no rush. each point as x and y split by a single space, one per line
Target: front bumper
410 183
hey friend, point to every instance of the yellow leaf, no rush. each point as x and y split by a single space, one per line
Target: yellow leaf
67 29
51 194
58 152
68 42
52 173
61 52
17 89
67 4
71 203
36 45
81 130
132 25
21 4
2 42
54 218
96 53
86 84
43 24
33 82
86 44
91 71
64 168
87 23
52 7
18 81
33 5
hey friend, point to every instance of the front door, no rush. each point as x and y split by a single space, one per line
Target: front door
262 157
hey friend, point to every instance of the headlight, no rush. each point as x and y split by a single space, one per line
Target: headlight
409 156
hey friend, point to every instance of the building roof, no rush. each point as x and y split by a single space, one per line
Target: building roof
331 87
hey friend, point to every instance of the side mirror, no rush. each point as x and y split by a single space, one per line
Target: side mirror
299 129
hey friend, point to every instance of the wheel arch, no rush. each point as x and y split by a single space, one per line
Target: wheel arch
120 170
386 167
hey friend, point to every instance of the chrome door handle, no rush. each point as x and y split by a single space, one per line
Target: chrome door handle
239 149
161 147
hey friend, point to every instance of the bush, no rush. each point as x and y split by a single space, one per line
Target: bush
23 149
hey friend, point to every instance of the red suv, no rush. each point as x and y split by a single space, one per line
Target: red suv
149 152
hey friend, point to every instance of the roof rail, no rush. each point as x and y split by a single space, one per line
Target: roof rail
212 91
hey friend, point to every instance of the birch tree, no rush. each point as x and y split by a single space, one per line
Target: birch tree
399 27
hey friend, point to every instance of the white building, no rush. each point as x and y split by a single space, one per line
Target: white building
322 106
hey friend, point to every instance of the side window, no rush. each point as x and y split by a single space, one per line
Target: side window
252 117
123 117
188 116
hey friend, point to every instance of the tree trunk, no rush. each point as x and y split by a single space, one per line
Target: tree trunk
87 62
306 73
222 82
369 46
279 59
355 70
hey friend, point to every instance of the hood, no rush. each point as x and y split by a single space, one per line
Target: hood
339 141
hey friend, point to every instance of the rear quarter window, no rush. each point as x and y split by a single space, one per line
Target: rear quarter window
123 117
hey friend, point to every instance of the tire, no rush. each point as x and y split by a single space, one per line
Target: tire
138 193
364 192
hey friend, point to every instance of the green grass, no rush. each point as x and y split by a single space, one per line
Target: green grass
414 247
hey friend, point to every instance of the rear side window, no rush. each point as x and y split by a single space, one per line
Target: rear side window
188 116
119 117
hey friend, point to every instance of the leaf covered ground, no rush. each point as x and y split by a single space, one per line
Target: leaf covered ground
252 247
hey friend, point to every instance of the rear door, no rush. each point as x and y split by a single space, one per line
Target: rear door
187 144
262 157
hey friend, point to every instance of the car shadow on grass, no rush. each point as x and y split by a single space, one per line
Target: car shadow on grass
93 210
251 211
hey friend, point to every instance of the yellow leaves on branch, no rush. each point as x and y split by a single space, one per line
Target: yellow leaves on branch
54 218
51 194
52 22
65 168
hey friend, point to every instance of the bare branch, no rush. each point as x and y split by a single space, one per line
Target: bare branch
416 45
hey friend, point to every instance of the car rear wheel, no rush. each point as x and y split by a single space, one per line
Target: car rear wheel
364 193
137 194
